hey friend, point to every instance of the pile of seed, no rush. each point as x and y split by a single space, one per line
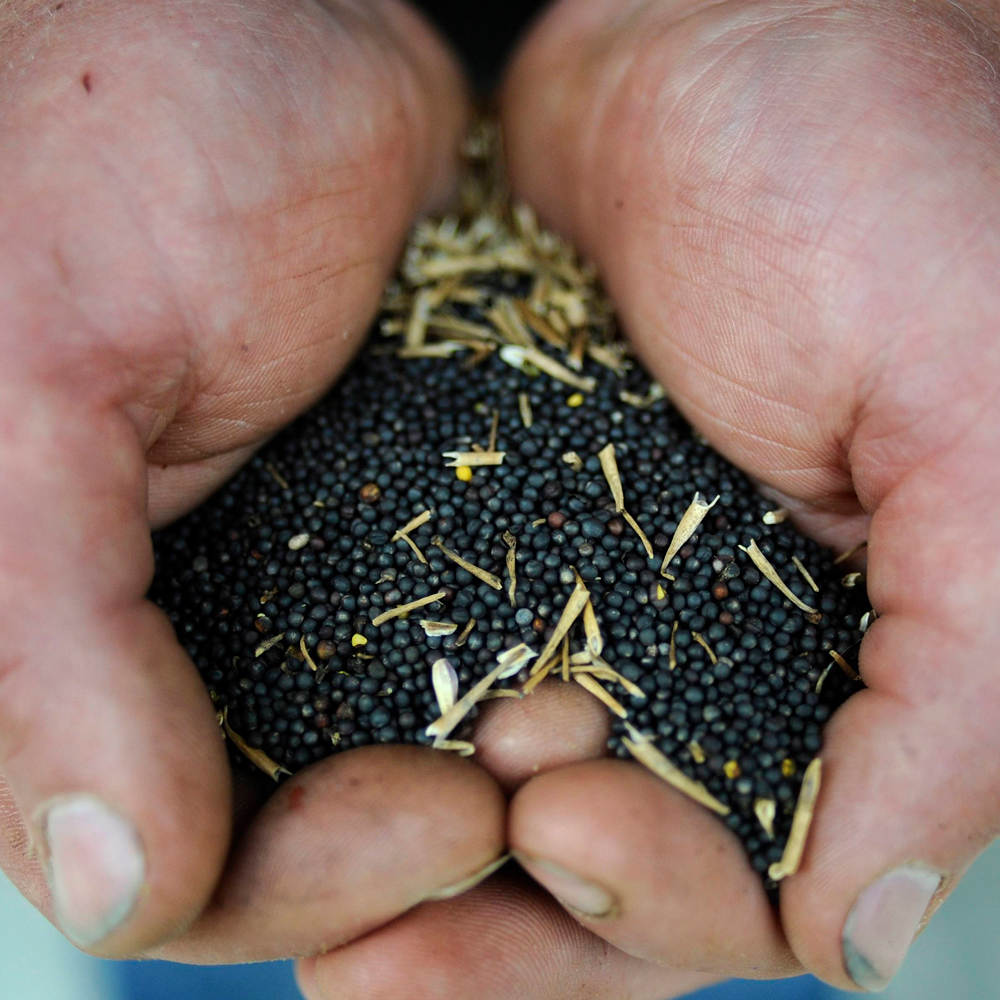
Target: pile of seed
450 524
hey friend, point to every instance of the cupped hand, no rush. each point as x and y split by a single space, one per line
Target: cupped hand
200 204
794 206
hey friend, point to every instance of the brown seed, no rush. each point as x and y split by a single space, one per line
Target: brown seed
720 591
726 618
616 526
538 625
556 520
369 493
326 649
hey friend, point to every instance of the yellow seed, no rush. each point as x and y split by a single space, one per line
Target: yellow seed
464 473
358 640
788 767
575 400
732 769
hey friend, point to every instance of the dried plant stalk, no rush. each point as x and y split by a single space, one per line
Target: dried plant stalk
700 639
821 680
524 405
406 608
852 551
778 516
845 666
413 545
791 858
686 527
421 519
469 626
673 647
272 471
511 543
461 747
305 655
696 751
515 356
573 460
591 629
574 605
589 684
268 643
764 565
258 758
654 394
642 748
806 575
482 574
501 693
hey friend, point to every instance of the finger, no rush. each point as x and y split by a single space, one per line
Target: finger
108 741
346 846
557 724
505 939
648 870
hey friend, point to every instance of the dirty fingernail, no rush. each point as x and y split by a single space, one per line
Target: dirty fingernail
577 894
95 865
883 922
465 884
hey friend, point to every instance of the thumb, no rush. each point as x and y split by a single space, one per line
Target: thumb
108 743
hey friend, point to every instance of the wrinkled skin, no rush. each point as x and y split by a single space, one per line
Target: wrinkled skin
794 207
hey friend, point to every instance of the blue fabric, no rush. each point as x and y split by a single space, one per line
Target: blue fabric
169 981
274 981
799 988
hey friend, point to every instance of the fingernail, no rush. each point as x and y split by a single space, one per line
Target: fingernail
883 922
575 893
95 866
465 884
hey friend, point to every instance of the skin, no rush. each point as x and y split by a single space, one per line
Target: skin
794 206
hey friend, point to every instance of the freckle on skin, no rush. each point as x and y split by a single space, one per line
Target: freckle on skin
87 84
295 799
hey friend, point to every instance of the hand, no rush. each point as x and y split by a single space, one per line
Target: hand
199 206
795 209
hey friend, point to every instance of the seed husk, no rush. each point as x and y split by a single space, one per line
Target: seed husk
763 564
474 459
405 609
791 858
432 628
445 682
609 464
578 600
687 526
766 810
